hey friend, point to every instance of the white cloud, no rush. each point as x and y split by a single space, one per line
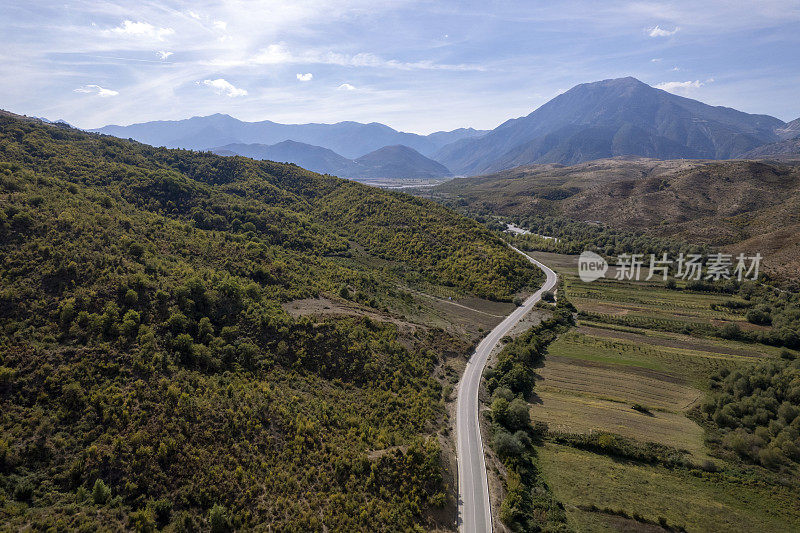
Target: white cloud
222 86
681 87
194 15
141 30
675 69
163 54
657 31
655 60
220 25
96 89
305 77
346 87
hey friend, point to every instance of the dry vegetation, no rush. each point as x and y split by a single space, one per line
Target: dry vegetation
743 206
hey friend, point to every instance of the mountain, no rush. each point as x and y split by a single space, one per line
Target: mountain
313 158
388 162
350 139
201 343
399 162
791 130
788 149
611 118
742 206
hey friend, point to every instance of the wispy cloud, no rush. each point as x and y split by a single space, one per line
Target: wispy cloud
280 54
141 30
346 87
680 87
305 77
102 92
223 86
163 54
657 31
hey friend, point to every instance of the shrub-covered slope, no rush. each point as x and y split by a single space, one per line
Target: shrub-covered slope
149 376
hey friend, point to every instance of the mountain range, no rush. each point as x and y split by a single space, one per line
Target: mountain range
609 118
396 161
350 139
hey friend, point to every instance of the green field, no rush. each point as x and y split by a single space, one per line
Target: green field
709 502
632 347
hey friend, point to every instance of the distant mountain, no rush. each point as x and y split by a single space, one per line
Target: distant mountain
400 162
788 149
350 139
611 118
396 161
790 130
310 157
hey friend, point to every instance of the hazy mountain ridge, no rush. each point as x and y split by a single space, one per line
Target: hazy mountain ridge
350 139
788 149
397 161
791 130
612 118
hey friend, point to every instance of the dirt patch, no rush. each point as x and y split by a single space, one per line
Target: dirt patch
323 307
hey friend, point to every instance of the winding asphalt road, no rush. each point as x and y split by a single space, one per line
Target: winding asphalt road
474 511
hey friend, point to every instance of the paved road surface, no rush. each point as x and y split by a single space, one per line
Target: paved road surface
474 513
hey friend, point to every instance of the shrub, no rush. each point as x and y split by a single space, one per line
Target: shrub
23 491
218 519
100 493
507 445
162 510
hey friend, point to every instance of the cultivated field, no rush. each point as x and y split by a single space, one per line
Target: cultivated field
707 502
628 351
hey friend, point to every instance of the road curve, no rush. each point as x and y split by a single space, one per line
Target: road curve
474 511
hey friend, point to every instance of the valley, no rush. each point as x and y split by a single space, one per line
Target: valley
199 335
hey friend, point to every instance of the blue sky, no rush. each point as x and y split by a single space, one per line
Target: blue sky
417 66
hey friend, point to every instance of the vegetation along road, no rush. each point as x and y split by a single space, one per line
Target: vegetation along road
474 513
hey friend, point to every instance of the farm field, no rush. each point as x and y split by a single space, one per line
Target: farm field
628 369
695 502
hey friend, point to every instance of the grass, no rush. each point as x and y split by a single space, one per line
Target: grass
709 502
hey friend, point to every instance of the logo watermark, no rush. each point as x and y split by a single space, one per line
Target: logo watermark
689 267
591 266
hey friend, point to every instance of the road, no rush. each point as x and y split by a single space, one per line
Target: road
474 511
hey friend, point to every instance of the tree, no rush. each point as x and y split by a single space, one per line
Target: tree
507 445
100 493
518 415
218 519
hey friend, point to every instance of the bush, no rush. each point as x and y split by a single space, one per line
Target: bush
218 519
162 510
518 415
23 491
507 445
100 493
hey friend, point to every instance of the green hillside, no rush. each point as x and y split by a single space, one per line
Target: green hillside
149 375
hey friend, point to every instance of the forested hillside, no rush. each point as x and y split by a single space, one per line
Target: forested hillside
149 375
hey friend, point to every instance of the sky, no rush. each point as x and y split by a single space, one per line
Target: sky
418 66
